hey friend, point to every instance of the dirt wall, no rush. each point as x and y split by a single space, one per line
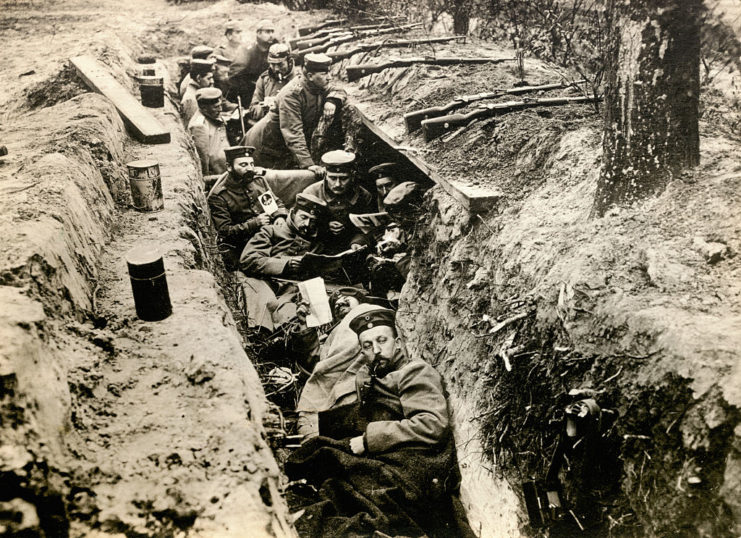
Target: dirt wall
113 425
537 306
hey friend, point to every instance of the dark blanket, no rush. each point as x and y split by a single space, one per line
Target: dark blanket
410 491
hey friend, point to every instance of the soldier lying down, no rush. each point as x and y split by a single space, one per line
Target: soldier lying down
384 458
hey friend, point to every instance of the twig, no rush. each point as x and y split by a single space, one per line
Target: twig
502 324
486 224
613 376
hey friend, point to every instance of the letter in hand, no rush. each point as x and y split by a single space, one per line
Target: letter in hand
357 446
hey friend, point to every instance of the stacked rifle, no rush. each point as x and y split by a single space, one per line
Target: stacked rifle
436 121
355 72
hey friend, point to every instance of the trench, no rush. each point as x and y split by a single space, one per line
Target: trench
115 426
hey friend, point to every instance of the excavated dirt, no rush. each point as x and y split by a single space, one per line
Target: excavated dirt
111 425
115 426
625 308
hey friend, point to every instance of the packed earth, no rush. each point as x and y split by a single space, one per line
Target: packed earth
265 272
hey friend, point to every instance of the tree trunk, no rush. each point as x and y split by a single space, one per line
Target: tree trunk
461 16
651 98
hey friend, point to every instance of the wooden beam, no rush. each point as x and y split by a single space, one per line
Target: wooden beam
474 199
140 122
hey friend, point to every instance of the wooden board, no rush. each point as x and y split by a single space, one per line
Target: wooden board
474 199
140 122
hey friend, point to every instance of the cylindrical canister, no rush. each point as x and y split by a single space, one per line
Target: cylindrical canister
146 185
152 91
149 283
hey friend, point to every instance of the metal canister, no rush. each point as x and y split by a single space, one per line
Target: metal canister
152 90
146 185
148 283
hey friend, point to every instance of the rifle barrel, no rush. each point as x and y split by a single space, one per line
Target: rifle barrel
359 71
434 127
414 119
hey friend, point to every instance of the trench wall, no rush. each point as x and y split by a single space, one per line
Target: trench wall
110 424
622 309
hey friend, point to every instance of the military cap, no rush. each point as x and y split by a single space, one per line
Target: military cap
373 318
381 170
265 24
235 152
279 52
316 207
232 26
201 67
222 60
403 193
317 63
201 52
348 291
338 161
208 96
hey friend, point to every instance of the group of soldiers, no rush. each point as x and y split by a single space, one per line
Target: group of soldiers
269 237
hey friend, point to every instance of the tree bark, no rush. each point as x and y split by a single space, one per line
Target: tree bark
651 98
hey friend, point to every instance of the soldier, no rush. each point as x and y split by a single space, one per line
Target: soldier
276 250
232 41
279 72
249 62
199 52
283 136
202 76
235 206
384 181
209 131
343 196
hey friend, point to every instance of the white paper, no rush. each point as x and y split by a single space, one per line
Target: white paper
313 292
268 203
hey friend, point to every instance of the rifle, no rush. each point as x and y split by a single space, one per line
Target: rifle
301 45
355 72
435 127
306 30
299 41
414 119
298 55
342 54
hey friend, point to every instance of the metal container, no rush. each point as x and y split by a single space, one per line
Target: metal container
152 90
148 283
146 185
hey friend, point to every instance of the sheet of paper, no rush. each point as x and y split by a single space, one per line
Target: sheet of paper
368 222
313 292
268 203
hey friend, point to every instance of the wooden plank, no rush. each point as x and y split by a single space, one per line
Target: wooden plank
474 199
140 122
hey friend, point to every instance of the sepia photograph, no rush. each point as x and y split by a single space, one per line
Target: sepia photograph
370 269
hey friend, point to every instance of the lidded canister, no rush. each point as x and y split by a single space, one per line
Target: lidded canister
147 66
148 283
146 185
152 90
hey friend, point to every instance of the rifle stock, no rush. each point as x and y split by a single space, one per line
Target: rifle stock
355 72
414 119
434 127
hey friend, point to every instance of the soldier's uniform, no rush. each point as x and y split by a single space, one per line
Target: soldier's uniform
355 200
267 253
270 82
248 63
382 176
235 207
199 52
189 103
282 138
209 135
226 48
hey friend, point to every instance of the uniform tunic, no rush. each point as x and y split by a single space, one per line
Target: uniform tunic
184 84
283 136
248 63
267 86
210 140
356 200
268 251
234 209
189 103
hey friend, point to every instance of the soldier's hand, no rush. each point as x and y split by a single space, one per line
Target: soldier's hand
268 102
319 171
335 227
302 310
294 265
263 219
329 110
